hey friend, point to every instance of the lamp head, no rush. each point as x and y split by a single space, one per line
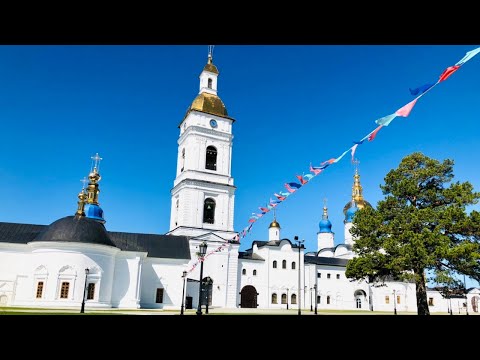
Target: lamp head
87 270
202 249
184 273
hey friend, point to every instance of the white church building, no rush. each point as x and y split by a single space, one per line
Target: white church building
76 259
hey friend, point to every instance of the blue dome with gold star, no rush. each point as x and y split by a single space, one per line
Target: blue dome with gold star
325 226
94 211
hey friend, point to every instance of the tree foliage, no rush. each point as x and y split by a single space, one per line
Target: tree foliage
421 227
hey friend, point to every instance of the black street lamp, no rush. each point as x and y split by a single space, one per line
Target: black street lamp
201 253
300 242
82 310
287 298
311 302
316 297
394 302
183 291
466 297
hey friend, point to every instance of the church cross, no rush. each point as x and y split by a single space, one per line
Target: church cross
96 159
84 181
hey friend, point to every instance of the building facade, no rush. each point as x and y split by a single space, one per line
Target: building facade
76 259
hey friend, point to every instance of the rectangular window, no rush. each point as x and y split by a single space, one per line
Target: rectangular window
430 301
64 290
387 299
328 276
398 299
318 299
338 276
159 298
39 289
90 291
319 275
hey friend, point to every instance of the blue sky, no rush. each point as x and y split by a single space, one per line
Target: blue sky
293 105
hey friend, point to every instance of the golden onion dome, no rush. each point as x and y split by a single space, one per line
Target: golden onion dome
94 176
274 224
209 103
211 68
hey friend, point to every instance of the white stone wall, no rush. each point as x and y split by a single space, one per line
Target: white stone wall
165 274
324 240
222 267
204 76
54 263
277 280
347 235
128 271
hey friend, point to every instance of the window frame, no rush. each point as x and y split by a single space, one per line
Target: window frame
160 291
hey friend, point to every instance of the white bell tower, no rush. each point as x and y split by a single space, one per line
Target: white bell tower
203 193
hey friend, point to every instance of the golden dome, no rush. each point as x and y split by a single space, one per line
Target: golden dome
209 103
210 67
94 176
274 224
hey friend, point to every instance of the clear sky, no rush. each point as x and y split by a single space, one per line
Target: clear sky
294 105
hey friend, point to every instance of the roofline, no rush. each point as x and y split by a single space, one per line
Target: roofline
204 112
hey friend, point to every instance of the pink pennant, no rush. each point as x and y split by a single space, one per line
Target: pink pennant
405 110
373 134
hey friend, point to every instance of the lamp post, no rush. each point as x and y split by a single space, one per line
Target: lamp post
316 296
184 276
466 297
82 310
202 250
394 302
311 302
287 298
450 301
206 290
300 242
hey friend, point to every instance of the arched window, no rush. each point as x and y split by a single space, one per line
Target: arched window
319 299
274 298
294 299
284 264
39 290
209 211
284 298
91 291
274 264
328 300
254 272
211 158
209 83
293 265
244 272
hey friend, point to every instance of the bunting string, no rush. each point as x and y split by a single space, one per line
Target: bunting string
314 171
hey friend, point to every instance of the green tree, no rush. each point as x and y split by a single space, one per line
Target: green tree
421 228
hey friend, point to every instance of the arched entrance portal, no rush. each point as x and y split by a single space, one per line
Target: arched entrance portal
360 299
248 297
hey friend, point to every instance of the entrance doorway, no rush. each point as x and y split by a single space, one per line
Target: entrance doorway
248 297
